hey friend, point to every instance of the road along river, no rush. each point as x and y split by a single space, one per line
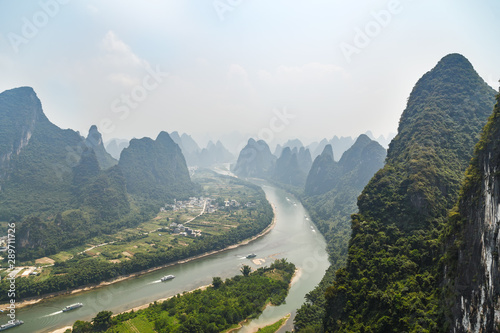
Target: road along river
294 237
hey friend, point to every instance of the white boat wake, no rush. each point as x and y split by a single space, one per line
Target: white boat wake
157 281
53 314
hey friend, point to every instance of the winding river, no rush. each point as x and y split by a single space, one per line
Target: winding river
294 237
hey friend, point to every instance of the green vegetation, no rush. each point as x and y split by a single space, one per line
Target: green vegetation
255 160
94 141
468 227
151 244
292 167
275 326
156 170
52 185
331 212
36 174
211 310
391 280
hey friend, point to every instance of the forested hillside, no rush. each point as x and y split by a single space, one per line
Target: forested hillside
94 141
36 157
470 266
63 189
255 160
156 169
330 197
391 281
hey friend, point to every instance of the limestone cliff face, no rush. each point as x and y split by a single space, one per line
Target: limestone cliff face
255 160
20 111
94 141
473 270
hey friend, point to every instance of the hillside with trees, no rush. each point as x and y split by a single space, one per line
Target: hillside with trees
391 280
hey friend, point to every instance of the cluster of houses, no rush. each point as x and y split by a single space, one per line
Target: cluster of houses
236 204
184 231
211 206
193 202
231 203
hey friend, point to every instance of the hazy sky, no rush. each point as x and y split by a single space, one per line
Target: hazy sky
272 68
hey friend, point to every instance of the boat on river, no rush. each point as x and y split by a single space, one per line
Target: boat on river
11 324
72 307
167 277
251 255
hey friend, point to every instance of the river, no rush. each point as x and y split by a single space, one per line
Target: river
294 237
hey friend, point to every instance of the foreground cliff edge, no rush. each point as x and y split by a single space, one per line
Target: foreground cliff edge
392 280
471 268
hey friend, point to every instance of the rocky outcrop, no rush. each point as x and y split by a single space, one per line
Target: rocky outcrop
94 141
473 247
255 160
21 110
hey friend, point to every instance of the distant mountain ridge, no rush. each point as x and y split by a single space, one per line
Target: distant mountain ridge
255 160
63 188
115 146
211 155
292 166
94 141
363 159
36 156
156 169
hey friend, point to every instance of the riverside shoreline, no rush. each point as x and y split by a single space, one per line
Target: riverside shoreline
296 276
36 300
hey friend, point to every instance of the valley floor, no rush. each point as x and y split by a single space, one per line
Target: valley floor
36 300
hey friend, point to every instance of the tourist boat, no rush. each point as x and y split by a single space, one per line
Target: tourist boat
11 324
167 277
251 255
72 307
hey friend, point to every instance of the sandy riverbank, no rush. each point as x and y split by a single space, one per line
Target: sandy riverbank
137 308
32 301
296 275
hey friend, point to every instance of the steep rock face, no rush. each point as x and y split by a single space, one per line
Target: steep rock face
331 194
156 169
255 160
214 154
339 146
305 160
437 132
473 270
20 111
351 173
94 141
51 181
189 148
287 169
36 157
359 163
394 246
321 177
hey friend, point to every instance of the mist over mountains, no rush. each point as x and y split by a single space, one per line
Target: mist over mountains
411 230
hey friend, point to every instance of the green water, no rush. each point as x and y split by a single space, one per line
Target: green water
294 237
